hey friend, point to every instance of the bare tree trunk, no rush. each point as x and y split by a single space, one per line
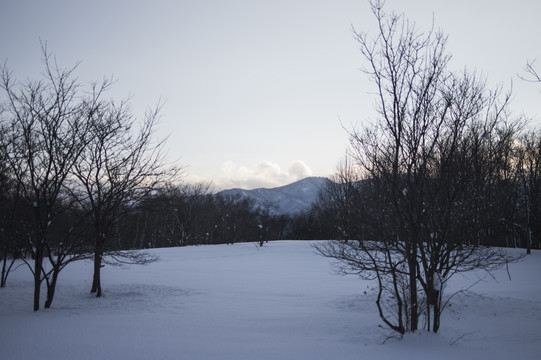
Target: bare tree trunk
414 316
4 276
6 269
528 227
437 313
51 287
38 266
98 255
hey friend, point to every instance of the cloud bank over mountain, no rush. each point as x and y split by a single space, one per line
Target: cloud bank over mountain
264 174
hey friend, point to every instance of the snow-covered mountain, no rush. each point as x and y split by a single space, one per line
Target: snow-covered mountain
288 199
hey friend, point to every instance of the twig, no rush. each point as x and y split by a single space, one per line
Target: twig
455 341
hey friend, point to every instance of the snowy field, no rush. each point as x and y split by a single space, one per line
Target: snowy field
243 302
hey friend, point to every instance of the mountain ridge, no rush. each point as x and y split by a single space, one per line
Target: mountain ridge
285 200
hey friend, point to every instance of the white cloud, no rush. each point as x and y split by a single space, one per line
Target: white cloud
263 174
299 170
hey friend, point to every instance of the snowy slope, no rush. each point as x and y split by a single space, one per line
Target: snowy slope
244 302
288 199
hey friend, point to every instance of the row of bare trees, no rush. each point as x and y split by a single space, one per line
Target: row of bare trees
442 176
73 165
193 215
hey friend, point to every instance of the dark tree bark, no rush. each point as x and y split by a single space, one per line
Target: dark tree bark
96 278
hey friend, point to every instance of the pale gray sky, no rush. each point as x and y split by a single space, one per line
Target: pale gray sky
255 90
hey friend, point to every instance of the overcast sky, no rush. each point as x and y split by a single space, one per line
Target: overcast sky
255 91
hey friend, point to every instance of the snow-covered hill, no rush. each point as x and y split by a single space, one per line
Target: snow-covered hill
288 199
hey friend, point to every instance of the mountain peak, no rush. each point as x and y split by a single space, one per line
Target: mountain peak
288 199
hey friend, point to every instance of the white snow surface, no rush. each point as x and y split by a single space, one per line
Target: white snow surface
239 301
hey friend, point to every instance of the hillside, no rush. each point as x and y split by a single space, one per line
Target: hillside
288 199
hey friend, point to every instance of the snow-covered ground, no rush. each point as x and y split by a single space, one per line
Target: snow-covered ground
243 302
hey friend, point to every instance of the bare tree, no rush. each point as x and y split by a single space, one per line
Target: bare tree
119 166
44 135
10 244
528 169
339 200
427 164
